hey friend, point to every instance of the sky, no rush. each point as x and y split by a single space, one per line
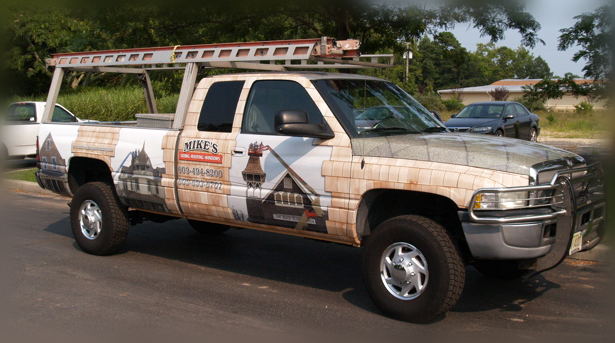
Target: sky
553 15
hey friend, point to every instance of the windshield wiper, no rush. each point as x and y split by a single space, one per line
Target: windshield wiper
392 128
435 129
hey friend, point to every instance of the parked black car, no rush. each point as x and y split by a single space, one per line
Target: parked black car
498 118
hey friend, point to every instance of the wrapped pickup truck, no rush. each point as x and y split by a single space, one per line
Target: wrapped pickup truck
292 153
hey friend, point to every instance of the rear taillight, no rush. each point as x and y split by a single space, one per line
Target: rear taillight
38 149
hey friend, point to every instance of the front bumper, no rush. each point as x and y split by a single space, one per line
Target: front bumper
556 232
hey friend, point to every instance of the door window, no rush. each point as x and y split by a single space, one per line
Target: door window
521 111
267 98
218 111
61 116
510 110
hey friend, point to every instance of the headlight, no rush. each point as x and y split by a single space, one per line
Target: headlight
501 201
481 129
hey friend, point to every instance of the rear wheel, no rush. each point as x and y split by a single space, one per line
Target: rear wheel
412 270
533 135
98 221
503 270
208 228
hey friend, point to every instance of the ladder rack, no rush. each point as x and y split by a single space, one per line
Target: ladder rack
317 53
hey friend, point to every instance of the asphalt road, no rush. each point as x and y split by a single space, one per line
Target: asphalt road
172 281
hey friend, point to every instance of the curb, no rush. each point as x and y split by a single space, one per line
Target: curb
24 186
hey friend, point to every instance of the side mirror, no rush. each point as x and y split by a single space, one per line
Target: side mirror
509 116
453 115
295 123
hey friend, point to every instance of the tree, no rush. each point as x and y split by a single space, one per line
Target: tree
499 94
37 32
498 63
556 88
593 34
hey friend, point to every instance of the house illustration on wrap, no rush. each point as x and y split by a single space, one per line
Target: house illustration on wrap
53 167
291 203
140 184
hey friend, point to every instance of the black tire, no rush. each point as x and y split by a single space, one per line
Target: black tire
499 133
533 135
106 236
445 276
501 270
206 228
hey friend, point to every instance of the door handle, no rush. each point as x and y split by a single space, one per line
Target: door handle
238 152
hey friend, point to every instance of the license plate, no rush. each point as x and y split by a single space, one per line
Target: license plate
577 243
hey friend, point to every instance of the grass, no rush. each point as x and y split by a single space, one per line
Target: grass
22 175
122 103
108 104
595 124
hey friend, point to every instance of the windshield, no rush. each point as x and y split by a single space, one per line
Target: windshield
378 107
482 111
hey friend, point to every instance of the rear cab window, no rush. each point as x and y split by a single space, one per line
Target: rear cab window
219 107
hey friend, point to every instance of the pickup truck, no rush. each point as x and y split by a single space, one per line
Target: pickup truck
20 127
282 152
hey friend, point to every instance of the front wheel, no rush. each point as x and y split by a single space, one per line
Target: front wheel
412 270
98 221
499 133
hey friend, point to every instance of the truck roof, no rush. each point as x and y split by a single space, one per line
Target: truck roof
310 75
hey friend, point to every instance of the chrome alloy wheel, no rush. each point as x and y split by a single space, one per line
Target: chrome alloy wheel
90 219
533 135
403 270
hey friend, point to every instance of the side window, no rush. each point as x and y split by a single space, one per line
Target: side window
61 116
510 110
521 110
21 113
267 98
218 111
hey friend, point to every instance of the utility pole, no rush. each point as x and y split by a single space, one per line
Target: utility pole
407 56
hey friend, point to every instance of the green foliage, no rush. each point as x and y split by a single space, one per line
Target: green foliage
551 118
431 101
550 88
572 125
584 107
37 32
532 103
593 34
453 104
108 104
